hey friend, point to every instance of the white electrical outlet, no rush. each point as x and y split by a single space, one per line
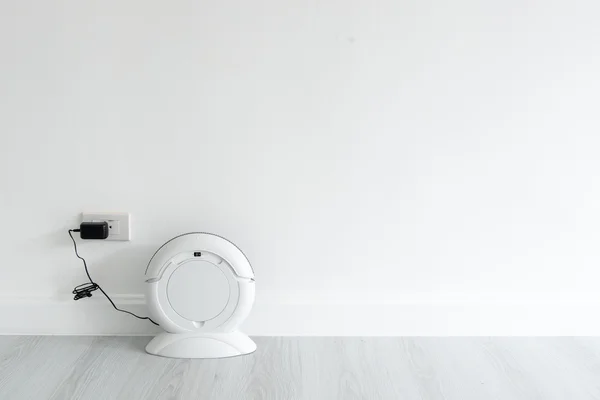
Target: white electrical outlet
119 224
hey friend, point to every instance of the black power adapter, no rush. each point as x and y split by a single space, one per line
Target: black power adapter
93 230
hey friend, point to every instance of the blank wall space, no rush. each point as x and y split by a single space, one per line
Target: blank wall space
347 147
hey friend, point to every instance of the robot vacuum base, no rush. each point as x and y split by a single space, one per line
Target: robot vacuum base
201 345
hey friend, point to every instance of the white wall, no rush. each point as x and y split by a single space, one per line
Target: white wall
388 152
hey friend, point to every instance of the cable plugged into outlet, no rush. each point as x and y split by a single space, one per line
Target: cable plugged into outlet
95 230
119 223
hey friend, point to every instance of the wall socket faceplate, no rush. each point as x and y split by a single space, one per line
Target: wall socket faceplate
119 223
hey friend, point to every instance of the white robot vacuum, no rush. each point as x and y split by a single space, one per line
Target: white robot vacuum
200 288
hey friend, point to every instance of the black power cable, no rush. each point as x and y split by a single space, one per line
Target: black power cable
86 289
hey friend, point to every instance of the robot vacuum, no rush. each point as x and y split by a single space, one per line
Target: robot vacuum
199 289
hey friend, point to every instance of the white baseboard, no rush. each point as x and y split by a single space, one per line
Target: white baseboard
314 315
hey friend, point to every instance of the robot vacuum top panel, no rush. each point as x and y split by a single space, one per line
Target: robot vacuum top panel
195 246
209 296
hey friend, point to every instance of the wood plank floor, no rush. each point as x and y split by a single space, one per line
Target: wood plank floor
305 368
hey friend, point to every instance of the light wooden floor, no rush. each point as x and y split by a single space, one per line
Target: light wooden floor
305 368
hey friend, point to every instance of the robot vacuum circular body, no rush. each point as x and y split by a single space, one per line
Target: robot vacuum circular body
199 288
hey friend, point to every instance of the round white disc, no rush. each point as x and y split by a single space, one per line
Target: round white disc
198 291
